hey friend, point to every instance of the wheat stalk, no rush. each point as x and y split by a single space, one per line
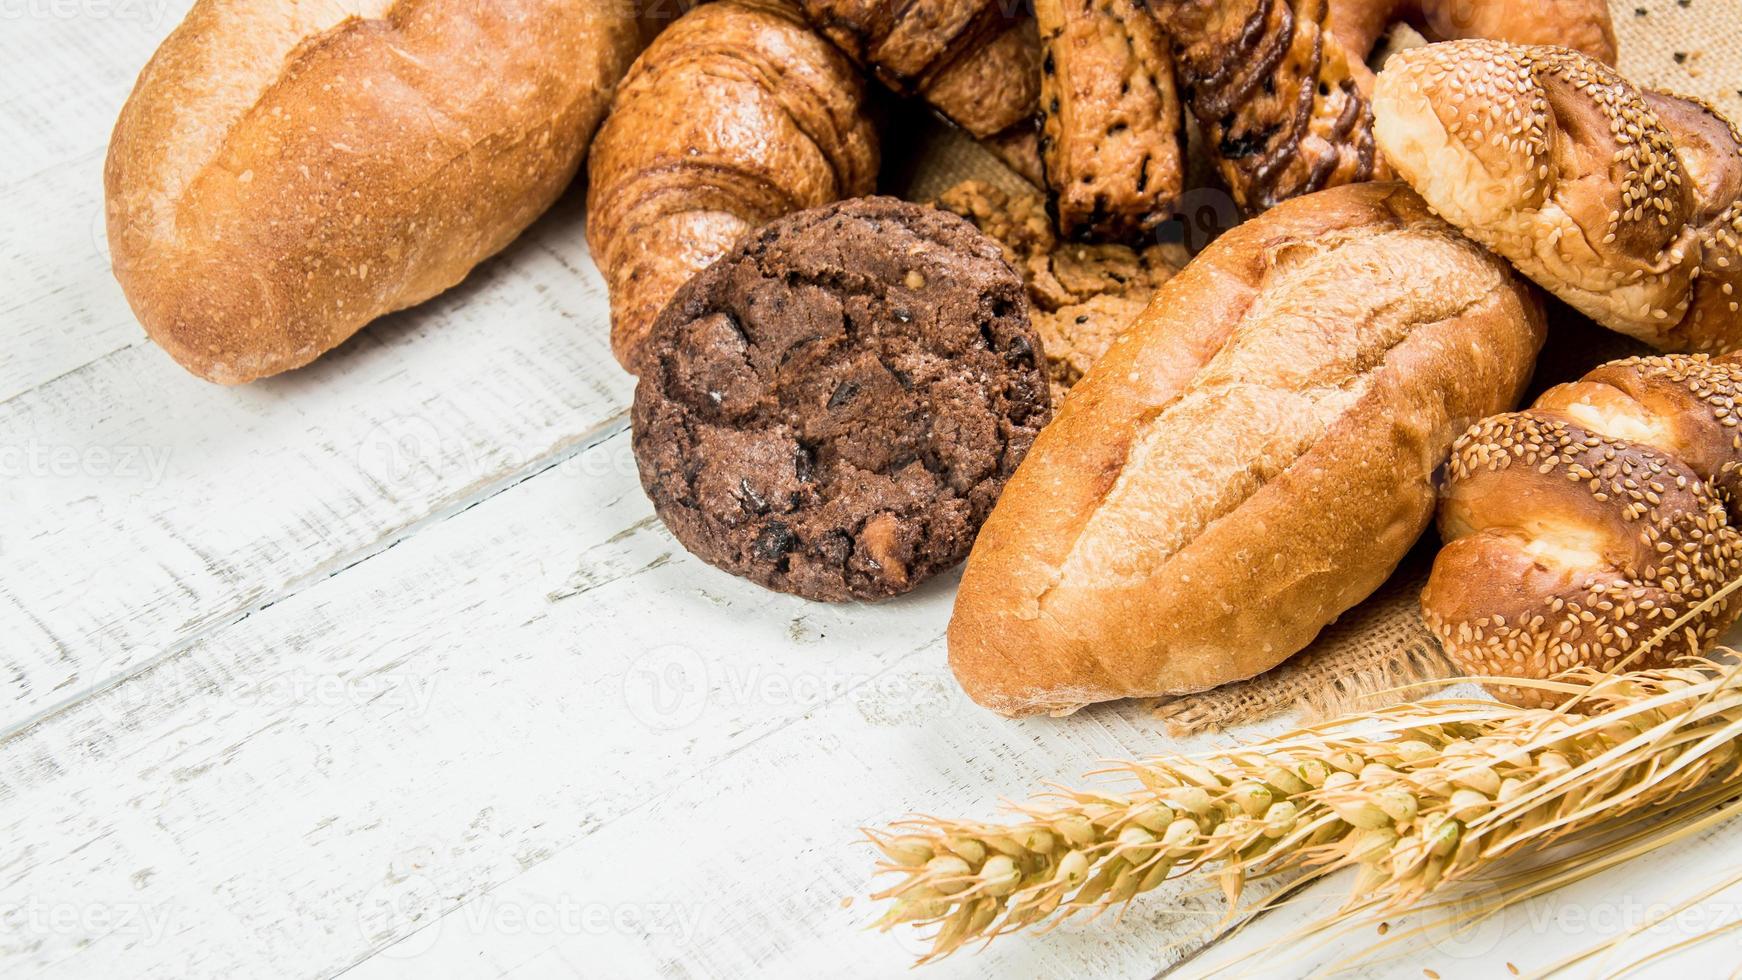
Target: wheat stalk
1414 797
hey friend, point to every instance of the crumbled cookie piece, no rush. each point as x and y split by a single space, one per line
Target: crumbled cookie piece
1083 294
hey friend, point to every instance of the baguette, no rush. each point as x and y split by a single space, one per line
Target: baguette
284 173
737 114
1253 456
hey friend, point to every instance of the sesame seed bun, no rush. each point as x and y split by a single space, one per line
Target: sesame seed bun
1621 201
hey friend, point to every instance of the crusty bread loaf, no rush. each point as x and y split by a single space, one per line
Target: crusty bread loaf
737 114
1252 457
1583 25
1596 528
1623 202
285 172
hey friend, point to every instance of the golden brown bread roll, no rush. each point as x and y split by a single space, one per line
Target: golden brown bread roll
1111 142
977 62
284 173
1252 457
1621 201
1578 531
1583 25
1282 91
737 114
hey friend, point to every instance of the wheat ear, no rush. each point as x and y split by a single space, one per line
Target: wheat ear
1415 796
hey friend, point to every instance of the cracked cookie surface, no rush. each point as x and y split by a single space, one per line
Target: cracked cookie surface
832 409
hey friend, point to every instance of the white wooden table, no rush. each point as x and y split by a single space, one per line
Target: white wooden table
386 668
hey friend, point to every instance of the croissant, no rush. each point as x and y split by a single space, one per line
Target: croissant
1595 527
1625 203
1282 91
738 113
1111 142
977 62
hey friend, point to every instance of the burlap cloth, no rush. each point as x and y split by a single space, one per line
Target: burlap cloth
1691 47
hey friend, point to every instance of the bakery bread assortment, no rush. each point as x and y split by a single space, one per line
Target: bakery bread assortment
1252 457
1625 203
285 173
1111 145
1282 91
832 408
1595 529
843 396
737 114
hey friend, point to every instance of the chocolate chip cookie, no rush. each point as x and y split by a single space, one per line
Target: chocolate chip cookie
832 408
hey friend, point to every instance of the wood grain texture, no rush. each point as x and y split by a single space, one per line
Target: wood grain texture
148 507
538 708
355 671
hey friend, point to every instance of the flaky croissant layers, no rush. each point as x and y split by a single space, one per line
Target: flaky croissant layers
1252 458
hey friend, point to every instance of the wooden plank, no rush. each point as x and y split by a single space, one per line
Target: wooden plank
145 506
69 66
62 306
542 700
1532 936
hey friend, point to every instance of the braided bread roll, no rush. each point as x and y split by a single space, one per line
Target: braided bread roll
977 62
1579 530
1282 91
736 114
1624 202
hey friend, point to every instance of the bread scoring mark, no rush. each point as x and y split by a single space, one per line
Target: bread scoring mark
1293 367
224 59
